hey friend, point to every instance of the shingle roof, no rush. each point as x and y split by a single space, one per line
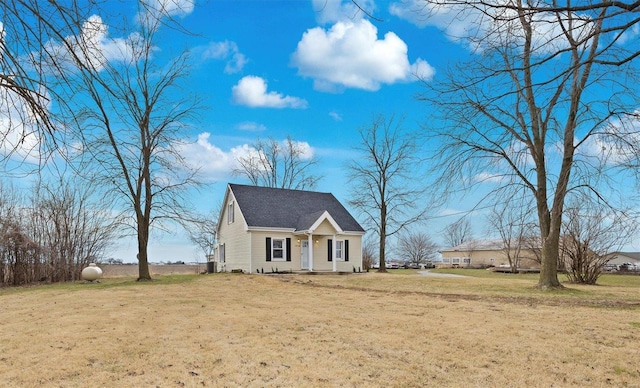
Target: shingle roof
307 220
294 209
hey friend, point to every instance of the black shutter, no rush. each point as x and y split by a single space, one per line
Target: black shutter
330 249
346 250
288 249
268 248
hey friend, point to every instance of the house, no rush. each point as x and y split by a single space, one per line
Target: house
619 258
263 229
486 253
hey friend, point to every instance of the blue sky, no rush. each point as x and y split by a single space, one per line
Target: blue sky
316 70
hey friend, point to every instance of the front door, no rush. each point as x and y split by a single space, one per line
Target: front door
304 248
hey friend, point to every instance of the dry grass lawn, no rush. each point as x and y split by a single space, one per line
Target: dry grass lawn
362 330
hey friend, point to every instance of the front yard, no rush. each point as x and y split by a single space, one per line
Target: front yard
295 330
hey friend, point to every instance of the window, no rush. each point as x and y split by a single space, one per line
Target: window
445 260
230 215
277 249
455 260
466 260
341 250
222 253
339 246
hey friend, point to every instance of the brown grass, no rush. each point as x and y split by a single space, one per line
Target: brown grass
129 270
359 330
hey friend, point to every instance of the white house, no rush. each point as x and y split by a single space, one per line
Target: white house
263 229
619 258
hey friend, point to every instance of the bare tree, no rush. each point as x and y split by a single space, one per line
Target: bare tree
417 247
512 221
203 233
130 120
52 235
457 232
590 232
385 187
286 165
528 108
19 254
369 253
71 226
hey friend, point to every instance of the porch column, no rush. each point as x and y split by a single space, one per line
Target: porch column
333 254
310 252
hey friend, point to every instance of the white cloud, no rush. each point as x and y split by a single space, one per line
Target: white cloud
261 160
306 151
217 164
252 91
101 47
630 35
350 54
336 116
479 28
488 177
422 14
19 141
179 8
331 11
251 126
19 133
158 9
213 162
94 47
226 51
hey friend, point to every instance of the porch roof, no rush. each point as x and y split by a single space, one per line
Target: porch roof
310 222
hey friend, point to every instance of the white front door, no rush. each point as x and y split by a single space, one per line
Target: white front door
304 248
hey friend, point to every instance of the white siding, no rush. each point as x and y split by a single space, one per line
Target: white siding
324 228
236 241
321 255
259 253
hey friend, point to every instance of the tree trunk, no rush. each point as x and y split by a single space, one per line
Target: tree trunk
143 243
549 268
383 265
383 238
143 262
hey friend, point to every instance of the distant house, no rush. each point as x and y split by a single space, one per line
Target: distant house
485 253
262 229
619 258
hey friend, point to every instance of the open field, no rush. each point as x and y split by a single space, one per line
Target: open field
398 330
124 270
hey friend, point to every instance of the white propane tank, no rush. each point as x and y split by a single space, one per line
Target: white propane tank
91 273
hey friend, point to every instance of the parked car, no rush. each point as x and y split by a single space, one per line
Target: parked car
428 265
629 267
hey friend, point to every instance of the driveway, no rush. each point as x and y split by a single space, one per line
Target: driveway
440 275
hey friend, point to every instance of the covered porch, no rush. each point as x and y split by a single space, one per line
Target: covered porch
321 243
